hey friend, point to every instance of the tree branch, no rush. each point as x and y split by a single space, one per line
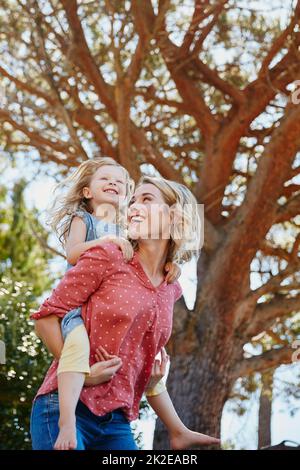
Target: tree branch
290 190
264 189
60 108
266 313
279 42
202 11
267 360
270 250
153 157
186 86
216 11
37 139
21 85
83 58
289 210
43 243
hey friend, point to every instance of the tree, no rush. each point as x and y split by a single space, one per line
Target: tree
265 411
24 277
202 91
269 385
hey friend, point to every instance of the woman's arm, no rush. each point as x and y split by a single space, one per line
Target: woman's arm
49 331
181 437
164 408
77 285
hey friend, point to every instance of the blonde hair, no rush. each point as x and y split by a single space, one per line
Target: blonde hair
65 205
186 231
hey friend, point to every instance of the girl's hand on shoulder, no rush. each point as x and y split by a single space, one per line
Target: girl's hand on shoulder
173 271
124 245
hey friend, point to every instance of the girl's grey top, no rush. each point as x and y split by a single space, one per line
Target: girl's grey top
95 228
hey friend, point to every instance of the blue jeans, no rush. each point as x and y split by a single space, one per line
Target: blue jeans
109 432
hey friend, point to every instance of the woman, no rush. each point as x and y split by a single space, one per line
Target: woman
127 308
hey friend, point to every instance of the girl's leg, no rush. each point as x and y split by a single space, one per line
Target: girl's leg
69 388
73 366
44 423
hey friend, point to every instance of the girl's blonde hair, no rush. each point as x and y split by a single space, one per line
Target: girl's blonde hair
65 205
186 224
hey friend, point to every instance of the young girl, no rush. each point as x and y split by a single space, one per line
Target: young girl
90 213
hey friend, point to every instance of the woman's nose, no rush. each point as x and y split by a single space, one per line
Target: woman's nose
132 210
136 209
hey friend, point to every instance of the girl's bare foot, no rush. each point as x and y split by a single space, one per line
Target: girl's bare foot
187 438
66 439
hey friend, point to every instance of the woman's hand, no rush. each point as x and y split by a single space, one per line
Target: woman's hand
103 370
173 271
159 369
124 245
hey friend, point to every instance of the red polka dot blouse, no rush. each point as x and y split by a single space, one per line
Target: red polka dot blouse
123 312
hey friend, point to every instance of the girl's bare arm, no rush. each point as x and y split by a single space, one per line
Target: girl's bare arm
75 244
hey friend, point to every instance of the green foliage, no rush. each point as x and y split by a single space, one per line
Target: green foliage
23 278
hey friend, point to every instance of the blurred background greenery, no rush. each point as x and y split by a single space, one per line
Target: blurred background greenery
25 276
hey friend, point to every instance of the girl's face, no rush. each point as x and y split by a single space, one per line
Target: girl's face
107 186
149 214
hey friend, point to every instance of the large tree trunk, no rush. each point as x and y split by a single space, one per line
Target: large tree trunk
198 390
265 410
204 348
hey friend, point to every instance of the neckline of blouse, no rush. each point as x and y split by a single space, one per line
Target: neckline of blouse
136 262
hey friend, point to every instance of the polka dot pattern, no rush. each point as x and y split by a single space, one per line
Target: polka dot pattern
123 312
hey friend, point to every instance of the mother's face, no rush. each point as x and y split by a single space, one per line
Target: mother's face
149 214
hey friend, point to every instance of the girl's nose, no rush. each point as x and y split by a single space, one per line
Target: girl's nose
112 184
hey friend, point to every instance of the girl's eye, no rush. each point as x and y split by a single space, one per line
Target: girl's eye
121 182
147 198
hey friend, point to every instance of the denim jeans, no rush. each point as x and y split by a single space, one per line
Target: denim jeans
109 432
